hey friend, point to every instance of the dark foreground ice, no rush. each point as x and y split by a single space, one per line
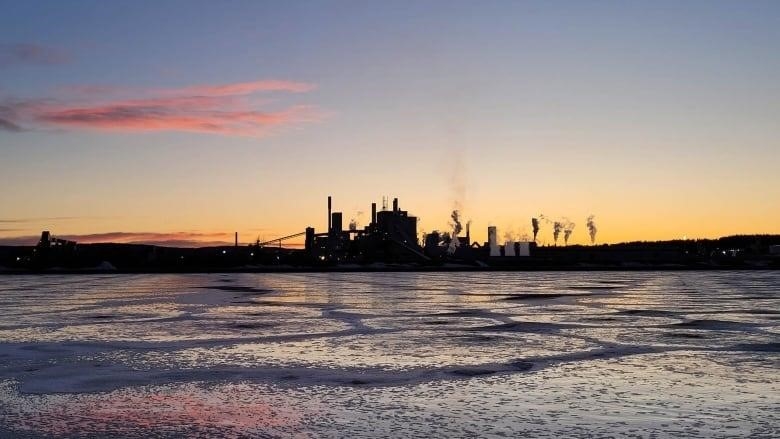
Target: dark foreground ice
688 354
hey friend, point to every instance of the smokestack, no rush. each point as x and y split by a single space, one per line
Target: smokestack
236 239
373 213
395 204
330 223
493 241
468 232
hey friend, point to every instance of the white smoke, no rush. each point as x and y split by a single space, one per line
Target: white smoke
592 229
456 229
557 228
568 228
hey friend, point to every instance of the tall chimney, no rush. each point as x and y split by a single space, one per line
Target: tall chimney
468 233
493 241
236 239
373 213
330 224
395 204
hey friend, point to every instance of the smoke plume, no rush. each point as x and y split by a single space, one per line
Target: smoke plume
508 236
557 228
592 229
356 220
456 229
535 225
568 227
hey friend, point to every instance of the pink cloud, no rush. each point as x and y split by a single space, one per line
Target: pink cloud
243 88
160 117
227 109
233 89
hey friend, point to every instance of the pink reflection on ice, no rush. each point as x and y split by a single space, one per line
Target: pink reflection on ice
229 411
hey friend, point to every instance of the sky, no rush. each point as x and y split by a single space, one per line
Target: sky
187 121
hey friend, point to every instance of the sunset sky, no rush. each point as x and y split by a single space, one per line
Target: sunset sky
141 121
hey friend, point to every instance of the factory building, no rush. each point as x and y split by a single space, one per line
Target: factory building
509 249
439 246
391 236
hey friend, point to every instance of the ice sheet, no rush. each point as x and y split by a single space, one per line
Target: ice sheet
378 354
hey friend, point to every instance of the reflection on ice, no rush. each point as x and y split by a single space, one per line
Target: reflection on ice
225 411
546 354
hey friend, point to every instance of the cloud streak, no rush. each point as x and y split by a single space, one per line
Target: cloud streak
7 112
147 116
30 54
173 239
242 88
38 220
7 125
228 109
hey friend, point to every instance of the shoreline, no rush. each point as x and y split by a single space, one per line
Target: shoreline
388 269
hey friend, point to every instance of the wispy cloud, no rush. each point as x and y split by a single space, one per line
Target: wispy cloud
175 115
8 112
227 109
174 239
38 220
7 125
19 240
27 53
242 88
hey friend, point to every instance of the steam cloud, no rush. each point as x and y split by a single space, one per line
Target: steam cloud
568 228
516 235
456 229
557 228
535 225
354 223
592 229
508 236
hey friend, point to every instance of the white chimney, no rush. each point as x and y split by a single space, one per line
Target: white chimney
493 242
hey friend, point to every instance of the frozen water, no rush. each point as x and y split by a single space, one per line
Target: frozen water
626 354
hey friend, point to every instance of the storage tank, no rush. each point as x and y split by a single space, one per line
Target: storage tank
509 248
523 249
